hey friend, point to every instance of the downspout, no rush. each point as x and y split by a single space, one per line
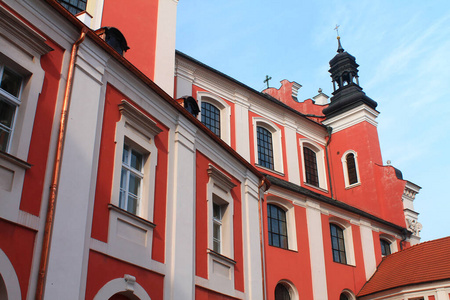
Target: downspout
56 171
261 241
329 130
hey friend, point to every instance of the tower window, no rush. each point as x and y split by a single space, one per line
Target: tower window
338 244
265 147
281 292
74 6
211 117
277 226
351 169
310 166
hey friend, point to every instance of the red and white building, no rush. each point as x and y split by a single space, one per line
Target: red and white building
131 171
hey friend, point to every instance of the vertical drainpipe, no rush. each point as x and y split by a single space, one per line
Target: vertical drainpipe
261 240
329 130
56 171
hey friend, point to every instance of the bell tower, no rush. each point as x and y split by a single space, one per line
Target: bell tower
347 93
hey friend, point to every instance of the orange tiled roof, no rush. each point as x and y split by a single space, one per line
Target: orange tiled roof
425 262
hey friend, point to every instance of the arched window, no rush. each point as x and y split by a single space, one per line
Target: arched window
310 160
385 247
265 147
276 220
338 244
350 167
211 117
281 292
343 297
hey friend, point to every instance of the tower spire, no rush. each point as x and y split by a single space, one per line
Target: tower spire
340 49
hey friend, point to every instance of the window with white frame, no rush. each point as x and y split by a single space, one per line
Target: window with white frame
342 241
131 179
215 114
276 223
220 205
350 167
220 210
10 90
136 159
313 163
388 244
268 147
285 290
281 223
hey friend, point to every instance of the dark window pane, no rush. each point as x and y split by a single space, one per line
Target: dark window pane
11 82
351 169
385 247
265 153
211 117
74 6
310 166
276 218
281 292
338 244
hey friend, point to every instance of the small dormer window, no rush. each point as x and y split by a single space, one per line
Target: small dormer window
74 6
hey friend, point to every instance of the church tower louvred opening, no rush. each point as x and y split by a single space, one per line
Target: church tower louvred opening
347 93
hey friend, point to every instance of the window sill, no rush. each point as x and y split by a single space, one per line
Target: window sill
347 187
342 264
287 249
315 187
14 160
132 216
221 257
270 170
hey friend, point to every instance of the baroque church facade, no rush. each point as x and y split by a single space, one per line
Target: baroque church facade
130 170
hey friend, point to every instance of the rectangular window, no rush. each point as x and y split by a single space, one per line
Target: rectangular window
131 180
10 89
217 227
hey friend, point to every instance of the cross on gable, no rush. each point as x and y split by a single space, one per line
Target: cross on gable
267 80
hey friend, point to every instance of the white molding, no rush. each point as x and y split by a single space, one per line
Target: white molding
10 278
22 35
362 113
138 131
127 284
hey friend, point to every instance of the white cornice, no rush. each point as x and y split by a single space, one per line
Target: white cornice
352 117
22 35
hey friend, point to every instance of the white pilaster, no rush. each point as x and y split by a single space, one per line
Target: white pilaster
315 236
75 196
180 280
368 248
292 153
252 249
242 129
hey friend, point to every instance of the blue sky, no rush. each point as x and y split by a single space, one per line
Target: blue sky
402 47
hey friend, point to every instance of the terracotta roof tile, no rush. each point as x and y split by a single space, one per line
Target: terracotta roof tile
425 262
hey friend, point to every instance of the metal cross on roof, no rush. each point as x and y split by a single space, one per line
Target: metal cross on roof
337 29
267 80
